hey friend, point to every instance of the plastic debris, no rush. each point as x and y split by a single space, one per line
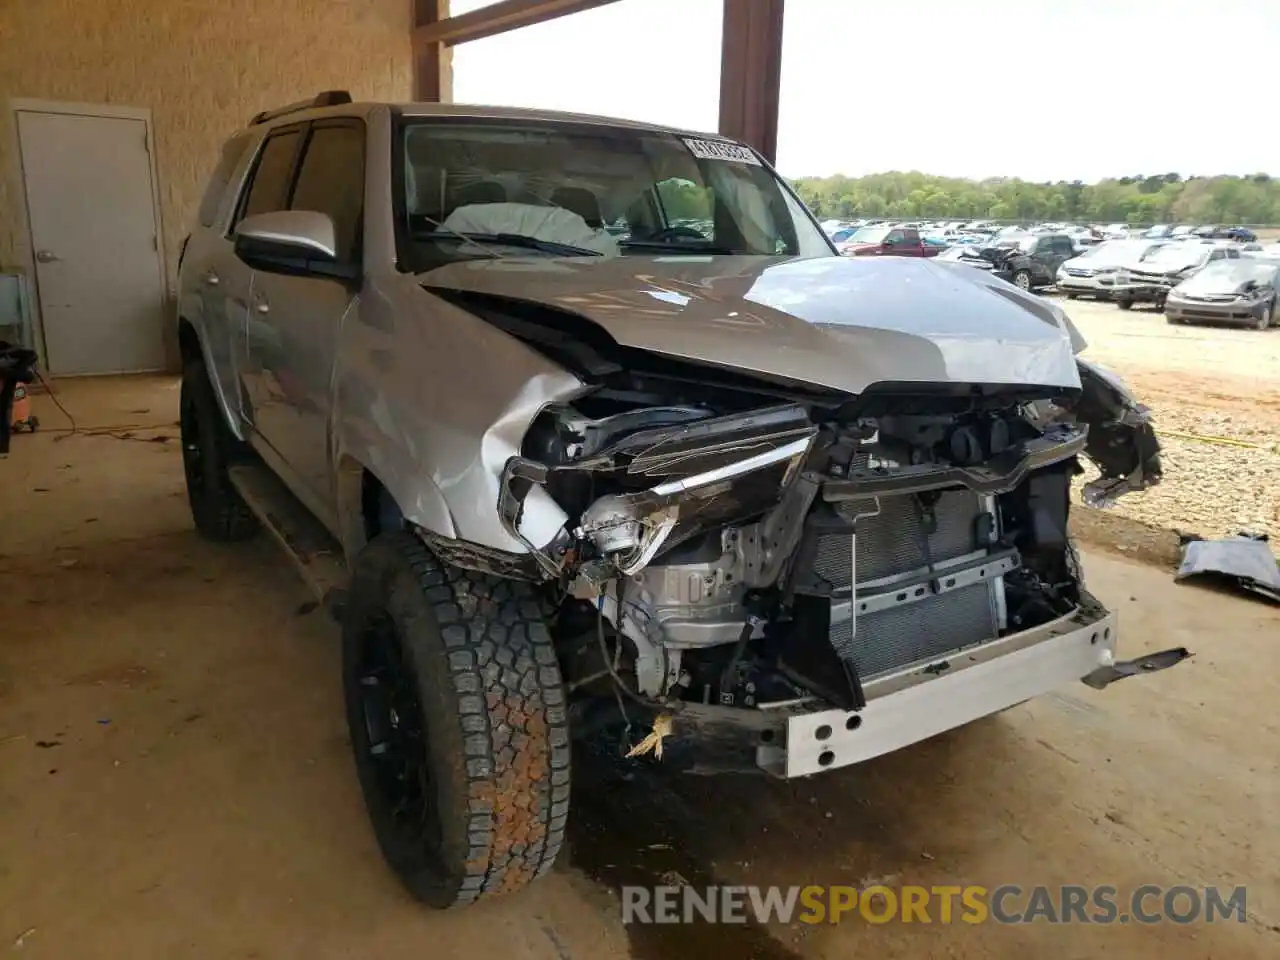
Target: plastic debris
652 743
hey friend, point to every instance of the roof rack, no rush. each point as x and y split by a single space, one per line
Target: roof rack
328 98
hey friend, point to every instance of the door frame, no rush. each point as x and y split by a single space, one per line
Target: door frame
27 255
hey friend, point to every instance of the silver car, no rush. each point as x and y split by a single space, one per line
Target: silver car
582 424
1240 292
1150 279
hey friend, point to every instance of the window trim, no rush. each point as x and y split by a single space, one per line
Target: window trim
246 185
300 156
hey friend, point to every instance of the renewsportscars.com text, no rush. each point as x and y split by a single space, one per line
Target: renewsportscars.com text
1005 904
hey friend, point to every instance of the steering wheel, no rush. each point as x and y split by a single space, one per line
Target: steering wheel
676 233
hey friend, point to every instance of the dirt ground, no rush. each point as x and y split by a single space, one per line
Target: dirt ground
1215 396
175 779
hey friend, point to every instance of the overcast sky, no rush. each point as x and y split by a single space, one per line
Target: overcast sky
1039 89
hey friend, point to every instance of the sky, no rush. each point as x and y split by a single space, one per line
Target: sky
1037 89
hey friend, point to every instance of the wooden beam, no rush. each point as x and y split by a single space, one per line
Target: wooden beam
496 18
751 73
432 63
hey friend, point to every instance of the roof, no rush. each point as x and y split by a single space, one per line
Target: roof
480 111
302 111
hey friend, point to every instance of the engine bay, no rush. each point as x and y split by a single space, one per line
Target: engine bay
751 551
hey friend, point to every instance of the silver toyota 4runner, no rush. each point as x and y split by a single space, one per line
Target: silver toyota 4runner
576 422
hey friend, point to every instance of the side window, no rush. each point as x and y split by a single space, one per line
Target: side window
331 180
1233 254
895 237
268 189
1064 246
911 237
232 152
1217 255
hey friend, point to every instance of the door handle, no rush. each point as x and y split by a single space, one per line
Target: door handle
212 279
46 256
262 306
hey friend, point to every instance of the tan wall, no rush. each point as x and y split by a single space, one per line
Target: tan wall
203 67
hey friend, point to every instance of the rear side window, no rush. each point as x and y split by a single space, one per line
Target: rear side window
269 188
331 180
232 152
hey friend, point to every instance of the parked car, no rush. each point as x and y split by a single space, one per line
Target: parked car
888 241
1149 280
1028 260
1094 272
550 479
1181 231
1239 292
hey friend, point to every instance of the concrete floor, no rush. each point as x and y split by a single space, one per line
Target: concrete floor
175 779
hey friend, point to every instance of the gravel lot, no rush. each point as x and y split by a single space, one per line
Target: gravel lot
1211 382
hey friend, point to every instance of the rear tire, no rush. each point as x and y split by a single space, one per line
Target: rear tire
208 447
458 722
1124 304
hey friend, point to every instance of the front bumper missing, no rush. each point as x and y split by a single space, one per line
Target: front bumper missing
928 699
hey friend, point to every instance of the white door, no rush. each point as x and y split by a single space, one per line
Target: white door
93 232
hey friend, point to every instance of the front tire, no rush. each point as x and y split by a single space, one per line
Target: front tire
1124 304
458 722
1264 319
208 447
1022 280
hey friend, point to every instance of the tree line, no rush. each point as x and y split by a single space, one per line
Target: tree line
1164 198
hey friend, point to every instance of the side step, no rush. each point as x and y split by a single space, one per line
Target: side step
317 555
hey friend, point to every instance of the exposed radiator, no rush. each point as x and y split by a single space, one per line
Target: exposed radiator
899 612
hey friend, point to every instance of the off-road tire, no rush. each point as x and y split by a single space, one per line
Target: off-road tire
494 742
208 448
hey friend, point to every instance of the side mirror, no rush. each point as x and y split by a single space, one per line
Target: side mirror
292 241
293 233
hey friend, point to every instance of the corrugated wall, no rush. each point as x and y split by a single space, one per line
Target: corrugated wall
203 67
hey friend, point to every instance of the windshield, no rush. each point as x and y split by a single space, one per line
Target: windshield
1176 256
869 235
1223 276
483 188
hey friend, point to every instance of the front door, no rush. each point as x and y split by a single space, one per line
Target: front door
93 231
294 320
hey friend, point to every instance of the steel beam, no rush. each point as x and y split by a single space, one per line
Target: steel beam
495 18
751 73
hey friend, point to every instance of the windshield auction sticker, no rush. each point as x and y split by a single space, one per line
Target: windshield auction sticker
719 150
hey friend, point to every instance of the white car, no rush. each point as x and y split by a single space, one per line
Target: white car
1094 272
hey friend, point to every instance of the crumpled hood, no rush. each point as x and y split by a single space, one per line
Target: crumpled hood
843 323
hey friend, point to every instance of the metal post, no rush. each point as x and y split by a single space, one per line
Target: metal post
751 73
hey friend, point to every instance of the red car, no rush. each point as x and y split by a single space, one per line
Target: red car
887 241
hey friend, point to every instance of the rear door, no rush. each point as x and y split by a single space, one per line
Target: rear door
214 284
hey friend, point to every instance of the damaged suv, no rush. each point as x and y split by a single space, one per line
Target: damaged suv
576 422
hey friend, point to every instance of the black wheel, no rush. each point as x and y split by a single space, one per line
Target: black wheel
1022 280
207 449
1073 296
458 723
1264 319
1124 304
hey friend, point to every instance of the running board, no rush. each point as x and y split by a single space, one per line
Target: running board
316 554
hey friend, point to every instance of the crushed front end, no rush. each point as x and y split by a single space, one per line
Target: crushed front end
823 579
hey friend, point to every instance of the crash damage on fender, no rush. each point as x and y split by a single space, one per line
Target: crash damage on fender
813 509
